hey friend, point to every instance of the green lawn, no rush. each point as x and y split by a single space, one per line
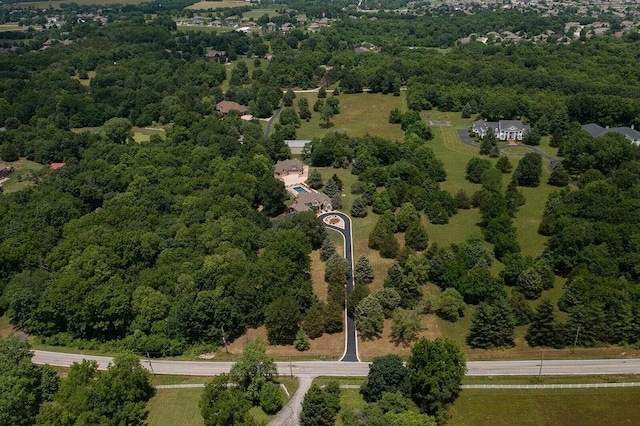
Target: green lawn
171 407
546 407
180 406
259 12
360 114
532 407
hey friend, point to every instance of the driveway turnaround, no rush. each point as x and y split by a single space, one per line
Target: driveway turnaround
343 226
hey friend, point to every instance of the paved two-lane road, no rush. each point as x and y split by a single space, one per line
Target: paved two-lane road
337 368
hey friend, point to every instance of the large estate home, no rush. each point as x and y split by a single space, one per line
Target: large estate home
505 130
309 200
287 167
224 107
630 133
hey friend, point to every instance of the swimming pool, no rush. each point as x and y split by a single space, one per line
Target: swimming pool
300 190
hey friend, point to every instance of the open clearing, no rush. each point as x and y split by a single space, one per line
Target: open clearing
56 4
539 407
360 114
21 176
205 5
546 407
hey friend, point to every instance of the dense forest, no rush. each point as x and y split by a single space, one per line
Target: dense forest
161 245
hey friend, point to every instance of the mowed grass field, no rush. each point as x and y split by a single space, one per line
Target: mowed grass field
541 407
538 407
360 114
171 407
205 5
56 4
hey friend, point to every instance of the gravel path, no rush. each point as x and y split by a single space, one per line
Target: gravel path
290 413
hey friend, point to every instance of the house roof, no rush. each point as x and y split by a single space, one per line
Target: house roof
56 166
224 107
596 131
305 201
216 53
3 167
288 165
511 125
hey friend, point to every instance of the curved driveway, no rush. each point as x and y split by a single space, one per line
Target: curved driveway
351 339
463 135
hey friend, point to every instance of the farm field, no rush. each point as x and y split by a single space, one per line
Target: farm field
205 5
55 4
546 407
539 407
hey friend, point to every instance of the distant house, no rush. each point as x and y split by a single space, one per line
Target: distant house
216 56
271 26
630 133
503 129
311 200
225 107
324 22
5 170
286 27
287 167
56 166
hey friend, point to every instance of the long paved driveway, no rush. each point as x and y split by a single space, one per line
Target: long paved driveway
338 368
351 338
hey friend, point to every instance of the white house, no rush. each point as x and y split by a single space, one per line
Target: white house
503 129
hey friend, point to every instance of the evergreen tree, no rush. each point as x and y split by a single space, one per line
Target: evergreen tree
532 137
529 170
405 326
314 181
416 237
322 93
303 109
522 312
559 176
336 202
492 326
369 317
338 181
313 322
388 220
301 342
331 189
363 271
333 316
288 98
488 142
543 331
359 208
316 410
358 293
451 305
327 249
389 299
407 215
462 200
377 236
389 247
504 165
